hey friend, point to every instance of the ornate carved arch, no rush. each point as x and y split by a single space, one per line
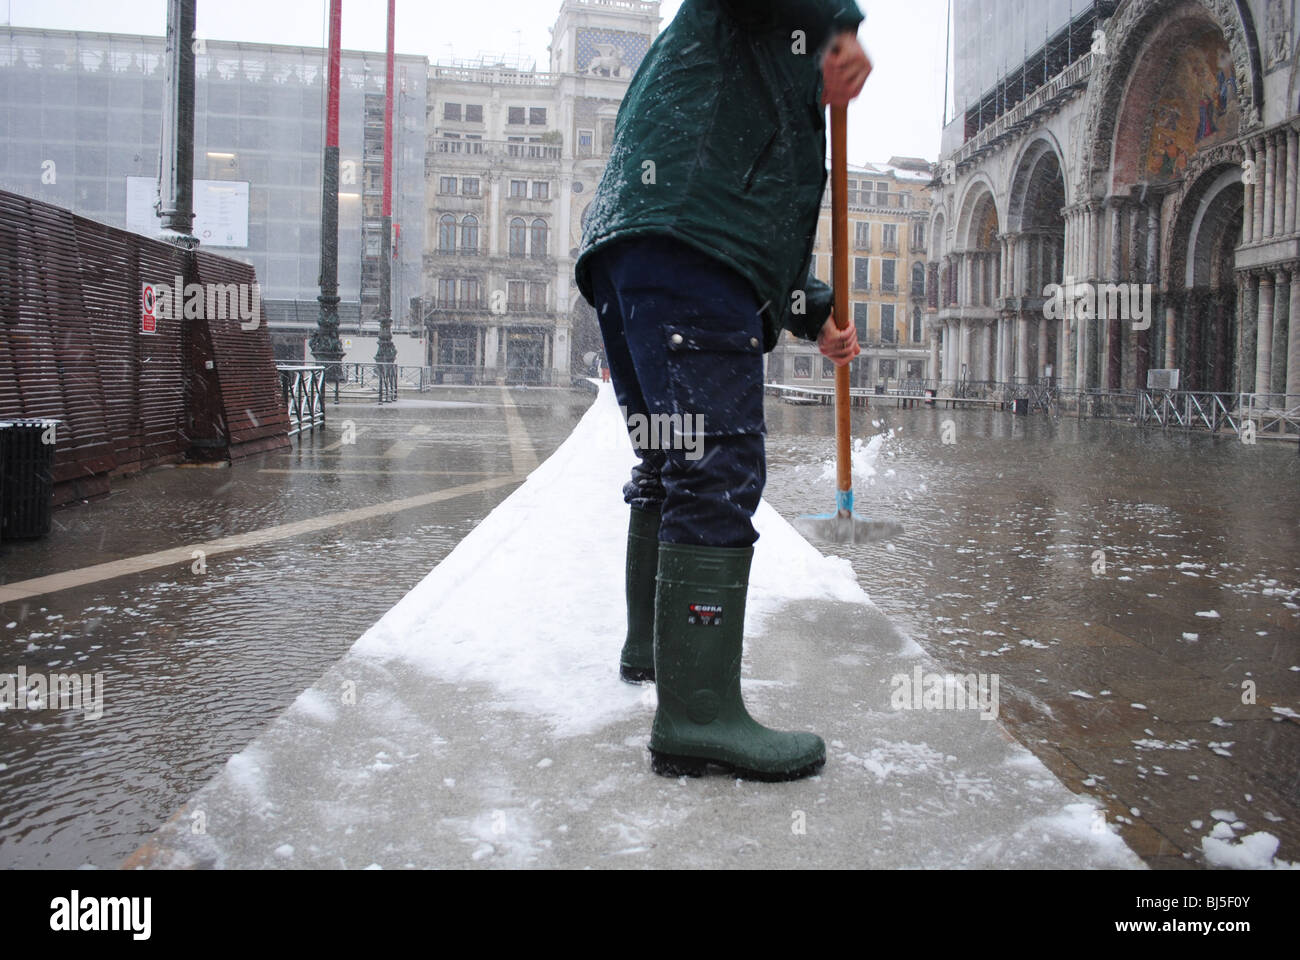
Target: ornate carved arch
1022 172
1182 210
975 190
1126 31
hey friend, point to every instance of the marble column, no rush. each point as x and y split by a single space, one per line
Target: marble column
1097 232
1040 369
1264 335
1257 145
1022 346
1115 324
1002 266
1083 338
1171 337
1249 283
1281 175
1281 321
1145 337
1270 183
1248 207
1193 349
1293 345
1293 169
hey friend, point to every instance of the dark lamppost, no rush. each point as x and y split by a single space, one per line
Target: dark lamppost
386 353
175 205
325 345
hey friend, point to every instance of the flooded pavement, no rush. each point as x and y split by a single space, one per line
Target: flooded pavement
1137 594
207 644
210 598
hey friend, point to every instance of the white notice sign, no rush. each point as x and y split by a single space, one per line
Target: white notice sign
220 210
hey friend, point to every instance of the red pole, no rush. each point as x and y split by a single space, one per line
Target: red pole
386 352
388 114
325 345
335 67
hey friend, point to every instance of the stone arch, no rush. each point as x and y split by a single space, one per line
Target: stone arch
938 231
1205 228
1037 158
978 196
1199 178
1131 29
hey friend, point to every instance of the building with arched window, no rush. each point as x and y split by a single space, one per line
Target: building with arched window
1124 199
888 206
514 156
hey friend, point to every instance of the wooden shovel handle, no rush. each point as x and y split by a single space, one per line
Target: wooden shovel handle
840 282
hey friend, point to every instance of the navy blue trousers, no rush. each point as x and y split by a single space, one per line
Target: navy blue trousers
684 342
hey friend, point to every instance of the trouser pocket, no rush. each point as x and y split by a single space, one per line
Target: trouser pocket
715 378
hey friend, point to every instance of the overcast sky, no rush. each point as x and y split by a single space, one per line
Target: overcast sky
899 113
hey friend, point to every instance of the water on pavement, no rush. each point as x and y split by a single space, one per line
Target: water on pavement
1137 594
198 655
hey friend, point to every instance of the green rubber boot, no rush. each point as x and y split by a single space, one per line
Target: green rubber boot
637 664
699 631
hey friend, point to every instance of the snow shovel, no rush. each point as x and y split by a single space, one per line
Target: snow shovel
842 526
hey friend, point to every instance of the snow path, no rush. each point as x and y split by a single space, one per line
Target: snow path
481 722
532 599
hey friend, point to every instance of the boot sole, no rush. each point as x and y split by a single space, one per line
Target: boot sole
636 674
672 765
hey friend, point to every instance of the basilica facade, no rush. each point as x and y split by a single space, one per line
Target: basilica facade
1124 200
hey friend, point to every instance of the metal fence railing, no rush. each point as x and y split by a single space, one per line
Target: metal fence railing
302 389
1254 414
1244 414
386 380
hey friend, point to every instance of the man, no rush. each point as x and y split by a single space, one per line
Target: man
696 254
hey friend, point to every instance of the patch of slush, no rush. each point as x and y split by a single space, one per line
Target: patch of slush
1253 852
531 601
865 455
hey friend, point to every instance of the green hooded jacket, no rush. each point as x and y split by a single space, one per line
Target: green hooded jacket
721 143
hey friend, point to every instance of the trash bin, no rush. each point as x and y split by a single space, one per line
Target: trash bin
880 390
26 478
1021 406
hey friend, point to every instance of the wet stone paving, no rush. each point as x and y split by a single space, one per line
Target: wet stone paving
1136 593
198 658
1137 596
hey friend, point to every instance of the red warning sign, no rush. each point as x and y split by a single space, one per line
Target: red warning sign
148 308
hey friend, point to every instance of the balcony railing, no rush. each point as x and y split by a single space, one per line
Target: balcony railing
1060 86
491 149
874 200
459 303
493 74
480 306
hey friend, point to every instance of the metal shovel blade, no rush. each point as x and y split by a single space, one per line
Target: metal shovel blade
847 528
